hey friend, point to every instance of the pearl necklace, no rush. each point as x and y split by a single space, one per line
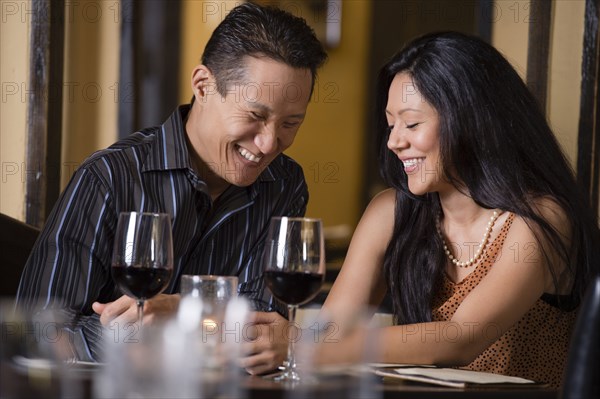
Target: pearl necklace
480 249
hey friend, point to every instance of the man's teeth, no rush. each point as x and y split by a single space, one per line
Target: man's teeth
248 155
408 163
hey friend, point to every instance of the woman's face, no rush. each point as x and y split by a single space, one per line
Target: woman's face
414 135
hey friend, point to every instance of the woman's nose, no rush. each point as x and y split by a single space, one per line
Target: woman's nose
396 140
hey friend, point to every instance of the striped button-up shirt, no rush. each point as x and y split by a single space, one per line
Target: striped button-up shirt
151 171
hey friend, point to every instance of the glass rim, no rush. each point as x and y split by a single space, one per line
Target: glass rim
297 219
212 277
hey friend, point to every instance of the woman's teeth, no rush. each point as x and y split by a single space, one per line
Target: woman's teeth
409 163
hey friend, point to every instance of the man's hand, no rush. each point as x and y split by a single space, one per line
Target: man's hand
124 310
265 348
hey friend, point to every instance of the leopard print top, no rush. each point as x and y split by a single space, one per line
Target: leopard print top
535 347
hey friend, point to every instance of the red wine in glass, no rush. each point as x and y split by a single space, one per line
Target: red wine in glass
142 260
294 260
140 282
294 288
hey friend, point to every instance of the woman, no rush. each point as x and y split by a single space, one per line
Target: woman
483 241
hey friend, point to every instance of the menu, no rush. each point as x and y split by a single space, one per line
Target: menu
453 377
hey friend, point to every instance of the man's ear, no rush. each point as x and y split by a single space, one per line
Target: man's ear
202 80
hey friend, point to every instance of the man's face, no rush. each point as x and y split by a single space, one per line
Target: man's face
237 135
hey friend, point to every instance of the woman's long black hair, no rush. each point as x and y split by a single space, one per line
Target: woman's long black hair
502 152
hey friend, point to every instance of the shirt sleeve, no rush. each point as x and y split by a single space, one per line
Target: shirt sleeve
69 266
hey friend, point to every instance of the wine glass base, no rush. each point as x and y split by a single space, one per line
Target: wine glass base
288 375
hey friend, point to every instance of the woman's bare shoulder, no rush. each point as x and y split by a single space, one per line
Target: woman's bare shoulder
378 218
385 199
553 213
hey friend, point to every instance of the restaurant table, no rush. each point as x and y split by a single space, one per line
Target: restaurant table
19 383
267 389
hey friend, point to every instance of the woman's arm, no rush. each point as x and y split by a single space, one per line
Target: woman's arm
361 282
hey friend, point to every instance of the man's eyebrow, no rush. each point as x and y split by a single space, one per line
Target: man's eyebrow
260 106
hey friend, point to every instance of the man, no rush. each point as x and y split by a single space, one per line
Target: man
216 166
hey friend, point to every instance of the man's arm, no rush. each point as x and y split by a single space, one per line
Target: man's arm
69 266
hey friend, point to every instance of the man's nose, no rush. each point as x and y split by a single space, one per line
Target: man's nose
266 140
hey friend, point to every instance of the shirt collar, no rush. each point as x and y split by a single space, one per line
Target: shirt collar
276 170
169 150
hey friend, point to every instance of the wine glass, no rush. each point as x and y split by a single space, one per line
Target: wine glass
142 260
294 269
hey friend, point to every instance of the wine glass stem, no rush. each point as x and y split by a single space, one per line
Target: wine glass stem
291 366
140 311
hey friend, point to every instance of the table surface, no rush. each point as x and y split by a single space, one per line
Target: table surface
19 383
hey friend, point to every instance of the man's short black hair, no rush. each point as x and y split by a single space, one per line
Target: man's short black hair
253 30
